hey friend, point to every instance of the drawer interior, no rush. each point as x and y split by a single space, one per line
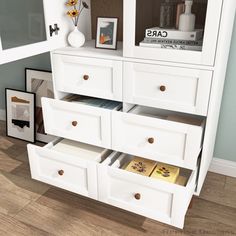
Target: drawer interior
94 102
184 178
169 115
78 150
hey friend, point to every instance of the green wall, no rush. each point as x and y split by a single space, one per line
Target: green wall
225 147
12 75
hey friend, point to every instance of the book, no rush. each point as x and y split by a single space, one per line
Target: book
173 41
141 166
86 151
171 46
157 32
165 172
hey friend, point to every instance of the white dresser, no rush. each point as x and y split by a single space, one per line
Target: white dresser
156 92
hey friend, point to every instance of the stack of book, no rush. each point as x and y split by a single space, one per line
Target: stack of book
156 170
173 39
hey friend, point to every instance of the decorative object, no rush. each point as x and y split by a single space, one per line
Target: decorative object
187 19
20 114
107 29
141 166
167 14
179 10
40 83
166 172
76 38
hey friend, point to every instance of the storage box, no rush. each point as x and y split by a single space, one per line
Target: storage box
166 172
141 166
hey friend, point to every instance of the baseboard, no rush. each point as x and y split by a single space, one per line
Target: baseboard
2 114
223 167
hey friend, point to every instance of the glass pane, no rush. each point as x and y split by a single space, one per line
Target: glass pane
21 22
171 24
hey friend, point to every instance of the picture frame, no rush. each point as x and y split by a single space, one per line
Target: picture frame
107 31
40 83
20 114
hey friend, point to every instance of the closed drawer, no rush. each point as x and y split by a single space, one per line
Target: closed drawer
172 88
88 76
74 172
158 135
78 121
156 199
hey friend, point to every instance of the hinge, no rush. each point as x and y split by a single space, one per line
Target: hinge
54 29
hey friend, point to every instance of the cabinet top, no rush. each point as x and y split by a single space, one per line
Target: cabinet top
89 50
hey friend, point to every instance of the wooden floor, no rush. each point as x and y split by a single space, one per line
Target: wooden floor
28 207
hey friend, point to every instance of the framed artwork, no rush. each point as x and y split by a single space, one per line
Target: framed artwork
107 28
20 114
40 83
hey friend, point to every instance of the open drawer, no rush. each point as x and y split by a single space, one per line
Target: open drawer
153 198
80 118
68 165
159 135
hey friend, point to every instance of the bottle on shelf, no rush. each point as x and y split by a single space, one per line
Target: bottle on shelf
187 19
167 10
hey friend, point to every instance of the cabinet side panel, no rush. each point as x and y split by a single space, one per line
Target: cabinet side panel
223 47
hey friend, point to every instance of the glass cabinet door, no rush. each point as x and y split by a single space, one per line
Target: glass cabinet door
183 31
31 27
21 23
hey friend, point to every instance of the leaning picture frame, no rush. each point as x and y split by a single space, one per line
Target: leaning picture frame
107 30
40 83
20 114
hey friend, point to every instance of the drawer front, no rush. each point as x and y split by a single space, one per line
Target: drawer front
174 88
77 122
161 140
143 195
63 171
88 76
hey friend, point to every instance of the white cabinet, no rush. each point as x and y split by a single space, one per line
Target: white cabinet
171 102
134 12
88 76
172 88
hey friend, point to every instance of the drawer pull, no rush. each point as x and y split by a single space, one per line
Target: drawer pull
61 172
163 88
137 196
151 140
74 123
86 77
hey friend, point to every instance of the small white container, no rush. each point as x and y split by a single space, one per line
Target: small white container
187 19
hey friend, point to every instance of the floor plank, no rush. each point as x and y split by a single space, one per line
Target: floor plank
12 227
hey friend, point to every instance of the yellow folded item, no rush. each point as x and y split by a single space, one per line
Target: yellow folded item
141 166
165 172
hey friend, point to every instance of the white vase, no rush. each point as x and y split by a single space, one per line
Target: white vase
187 19
76 39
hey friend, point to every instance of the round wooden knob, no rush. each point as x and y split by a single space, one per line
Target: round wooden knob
86 77
151 140
163 88
61 172
74 123
137 196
